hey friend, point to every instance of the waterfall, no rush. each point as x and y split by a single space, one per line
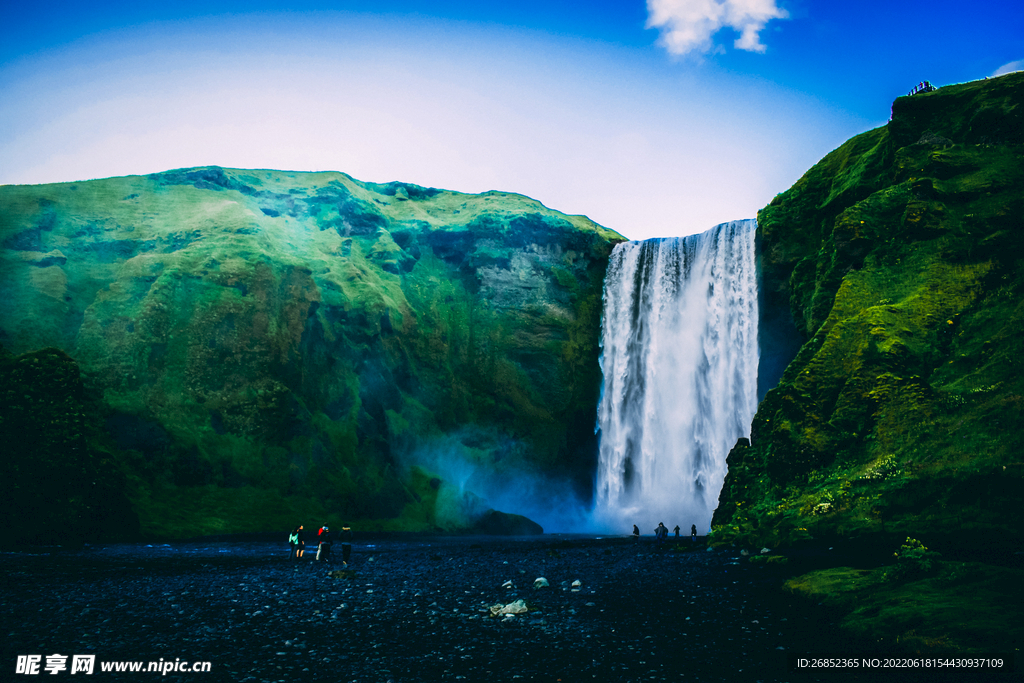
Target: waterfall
679 357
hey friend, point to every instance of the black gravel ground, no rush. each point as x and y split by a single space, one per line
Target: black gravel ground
415 610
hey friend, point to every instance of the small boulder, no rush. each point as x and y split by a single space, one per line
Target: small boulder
540 582
765 551
517 607
497 523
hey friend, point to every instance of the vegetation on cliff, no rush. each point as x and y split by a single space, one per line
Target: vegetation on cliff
899 258
265 347
59 476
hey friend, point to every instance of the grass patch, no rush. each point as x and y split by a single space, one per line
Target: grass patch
961 607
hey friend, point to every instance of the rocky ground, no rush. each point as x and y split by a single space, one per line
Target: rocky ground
413 610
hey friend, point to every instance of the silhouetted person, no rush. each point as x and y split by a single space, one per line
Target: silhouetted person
636 534
300 544
676 530
661 533
346 544
323 549
693 533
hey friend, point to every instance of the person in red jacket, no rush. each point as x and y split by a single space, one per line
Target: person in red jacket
323 550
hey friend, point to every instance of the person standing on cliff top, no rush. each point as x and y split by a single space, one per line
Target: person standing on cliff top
636 534
693 533
676 530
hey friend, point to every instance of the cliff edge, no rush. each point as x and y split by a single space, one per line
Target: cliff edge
897 261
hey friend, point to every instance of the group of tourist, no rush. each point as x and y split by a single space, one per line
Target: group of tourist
661 533
922 87
324 543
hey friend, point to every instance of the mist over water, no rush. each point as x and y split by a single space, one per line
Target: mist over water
473 481
679 358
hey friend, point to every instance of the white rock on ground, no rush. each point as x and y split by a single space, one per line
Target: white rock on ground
517 607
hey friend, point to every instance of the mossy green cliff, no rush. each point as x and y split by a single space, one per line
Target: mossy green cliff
898 258
265 347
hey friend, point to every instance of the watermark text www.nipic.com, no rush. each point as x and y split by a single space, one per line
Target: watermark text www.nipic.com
87 664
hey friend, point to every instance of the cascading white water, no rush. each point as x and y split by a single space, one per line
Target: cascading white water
679 357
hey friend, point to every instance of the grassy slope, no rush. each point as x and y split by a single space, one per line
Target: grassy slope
900 257
269 346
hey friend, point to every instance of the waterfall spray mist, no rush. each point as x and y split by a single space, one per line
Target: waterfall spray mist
679 358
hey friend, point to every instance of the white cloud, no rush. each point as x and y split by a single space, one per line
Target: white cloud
1009 68
688 25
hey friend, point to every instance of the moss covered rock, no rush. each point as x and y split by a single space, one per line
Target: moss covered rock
272 346
897 261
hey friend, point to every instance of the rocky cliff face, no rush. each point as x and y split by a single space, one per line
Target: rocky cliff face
268 347
897 261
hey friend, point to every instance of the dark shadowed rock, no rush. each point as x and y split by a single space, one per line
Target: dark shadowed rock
497 523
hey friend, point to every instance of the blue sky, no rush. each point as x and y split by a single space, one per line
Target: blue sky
653 118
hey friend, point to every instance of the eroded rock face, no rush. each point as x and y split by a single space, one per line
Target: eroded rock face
897 259
288 339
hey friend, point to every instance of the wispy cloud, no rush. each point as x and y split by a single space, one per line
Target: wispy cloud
1009 68
584 128
688 25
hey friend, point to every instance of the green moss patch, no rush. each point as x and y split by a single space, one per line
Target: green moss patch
959 607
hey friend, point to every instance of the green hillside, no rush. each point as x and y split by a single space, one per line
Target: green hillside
899 260
259 348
